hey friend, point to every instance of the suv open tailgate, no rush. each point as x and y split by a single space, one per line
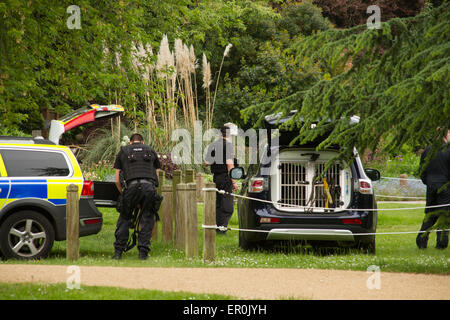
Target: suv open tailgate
105 194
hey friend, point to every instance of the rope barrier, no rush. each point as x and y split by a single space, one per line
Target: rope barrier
330 209
393 178
223 228
399 197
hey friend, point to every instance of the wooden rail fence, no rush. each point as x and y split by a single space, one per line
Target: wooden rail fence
178 214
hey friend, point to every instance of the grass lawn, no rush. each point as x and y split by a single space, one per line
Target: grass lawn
396 253
43 291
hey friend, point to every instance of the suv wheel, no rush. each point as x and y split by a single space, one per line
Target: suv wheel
368 247
26 235
245 244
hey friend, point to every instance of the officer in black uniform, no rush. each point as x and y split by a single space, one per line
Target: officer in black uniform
220 157
138 163
435 175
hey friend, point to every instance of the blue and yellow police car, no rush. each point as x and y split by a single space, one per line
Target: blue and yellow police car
34 175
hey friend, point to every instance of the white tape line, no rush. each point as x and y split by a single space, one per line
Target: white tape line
222 228
399 197
330 209
393 178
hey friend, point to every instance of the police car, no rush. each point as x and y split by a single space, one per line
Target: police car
34 175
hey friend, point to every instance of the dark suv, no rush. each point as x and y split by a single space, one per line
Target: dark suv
310 202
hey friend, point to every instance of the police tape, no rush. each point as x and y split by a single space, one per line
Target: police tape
303 233
309 209
393 178
399 197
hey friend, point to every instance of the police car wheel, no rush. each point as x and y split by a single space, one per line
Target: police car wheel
26 235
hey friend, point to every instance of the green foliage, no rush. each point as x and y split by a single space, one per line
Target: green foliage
350 13
395 79
46 65
272 72
406 161
303 18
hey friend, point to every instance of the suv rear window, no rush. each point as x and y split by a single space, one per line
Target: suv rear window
24 163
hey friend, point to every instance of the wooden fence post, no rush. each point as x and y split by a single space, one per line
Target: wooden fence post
175 180
404 180
209 218
191 221
181 207
166 214
200 186
189 176
72 223
161 176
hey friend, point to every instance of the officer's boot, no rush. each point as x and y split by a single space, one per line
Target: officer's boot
117 255
422 240
422 237
441 239
143 255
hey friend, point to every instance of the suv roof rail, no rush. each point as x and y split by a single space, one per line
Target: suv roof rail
24 140
276 119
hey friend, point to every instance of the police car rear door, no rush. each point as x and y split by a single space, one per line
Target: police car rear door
5 183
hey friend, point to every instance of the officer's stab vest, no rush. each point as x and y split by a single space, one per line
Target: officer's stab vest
138 163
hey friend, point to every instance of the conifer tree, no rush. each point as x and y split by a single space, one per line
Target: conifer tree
396 79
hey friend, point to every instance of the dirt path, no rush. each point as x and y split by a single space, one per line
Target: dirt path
250 283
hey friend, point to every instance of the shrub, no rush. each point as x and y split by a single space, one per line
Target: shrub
167 164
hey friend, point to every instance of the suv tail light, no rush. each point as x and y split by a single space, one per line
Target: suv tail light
88 188
365 186
269 220
352 221
257 185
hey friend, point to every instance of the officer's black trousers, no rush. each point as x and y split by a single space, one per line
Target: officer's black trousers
434 198
224 202
136 196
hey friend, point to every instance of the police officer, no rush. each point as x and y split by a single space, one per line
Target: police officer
138 163
220 157
435 175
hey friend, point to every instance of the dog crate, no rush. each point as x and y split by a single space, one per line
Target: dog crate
300 183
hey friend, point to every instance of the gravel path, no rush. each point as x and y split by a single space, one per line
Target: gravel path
252 283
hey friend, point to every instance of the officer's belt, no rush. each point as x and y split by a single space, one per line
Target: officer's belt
140 181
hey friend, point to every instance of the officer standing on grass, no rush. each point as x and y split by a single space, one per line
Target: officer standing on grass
220 157
138 163
435 176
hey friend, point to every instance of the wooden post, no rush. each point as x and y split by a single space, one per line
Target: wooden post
200 186
175 181
72 223
189 176
191 221
404 180
166 214
209 218
161 176
181 207
161 180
